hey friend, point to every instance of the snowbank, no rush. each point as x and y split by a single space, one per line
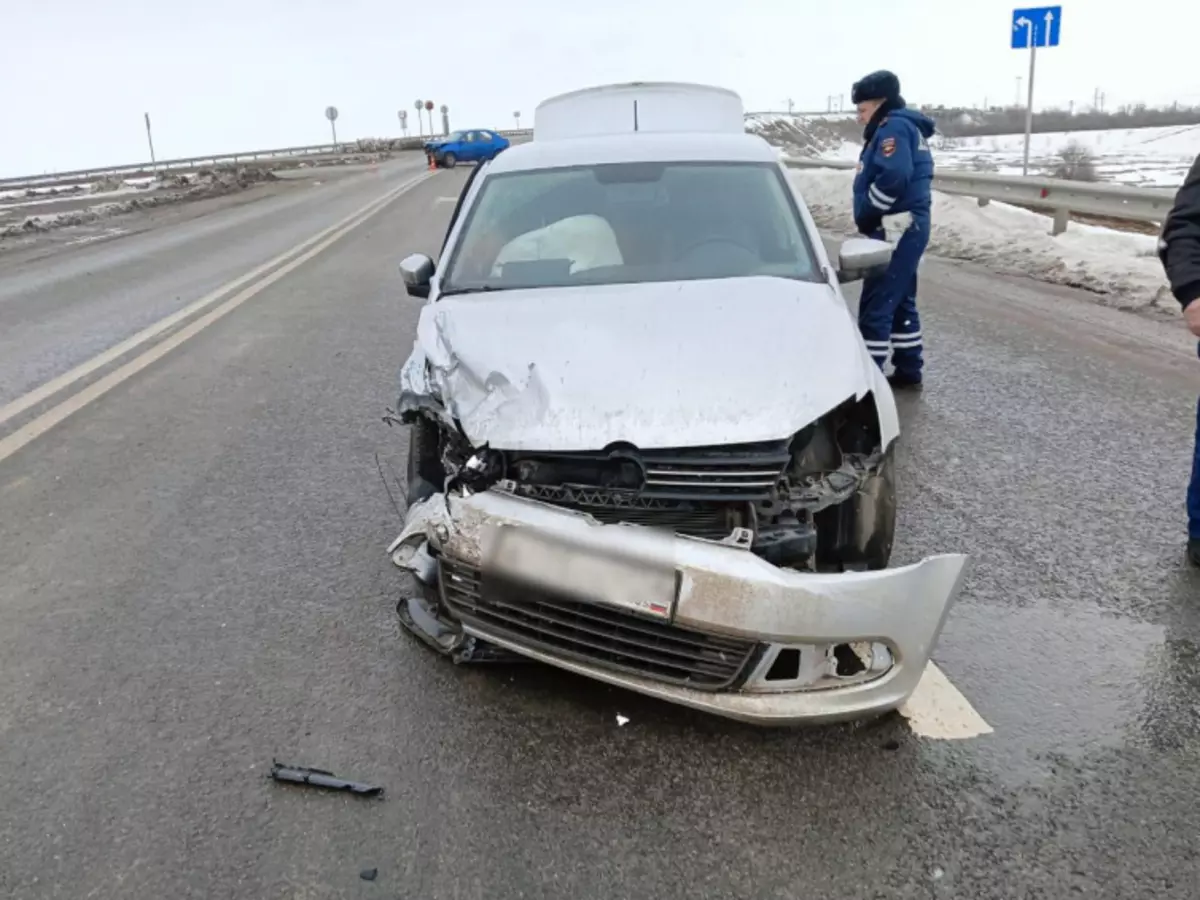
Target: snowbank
1122 268
194 186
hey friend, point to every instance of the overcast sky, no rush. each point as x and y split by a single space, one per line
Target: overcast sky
220 76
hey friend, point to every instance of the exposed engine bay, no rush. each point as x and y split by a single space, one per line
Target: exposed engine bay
821 501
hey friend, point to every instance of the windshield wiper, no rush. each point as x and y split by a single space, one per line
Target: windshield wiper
482 289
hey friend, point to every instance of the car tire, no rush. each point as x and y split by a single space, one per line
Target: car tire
878 551
424 474
449 160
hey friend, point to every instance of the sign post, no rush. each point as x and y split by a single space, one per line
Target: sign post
1032 28
150 138
404 121
445 110
331 114
517 116
420 105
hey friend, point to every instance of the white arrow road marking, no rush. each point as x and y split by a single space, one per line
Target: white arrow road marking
937 709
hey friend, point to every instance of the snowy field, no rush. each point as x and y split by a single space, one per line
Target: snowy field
1139 157
1120 268
1144 157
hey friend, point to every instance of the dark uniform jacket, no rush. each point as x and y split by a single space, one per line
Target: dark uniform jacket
895 169
1179 243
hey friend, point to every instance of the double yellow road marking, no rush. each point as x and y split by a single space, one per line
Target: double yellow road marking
251 283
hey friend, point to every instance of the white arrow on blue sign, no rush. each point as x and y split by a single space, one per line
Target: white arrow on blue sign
1037 27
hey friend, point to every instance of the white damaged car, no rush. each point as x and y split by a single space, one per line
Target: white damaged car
648 444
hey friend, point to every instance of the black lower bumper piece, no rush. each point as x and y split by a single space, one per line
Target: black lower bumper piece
421 618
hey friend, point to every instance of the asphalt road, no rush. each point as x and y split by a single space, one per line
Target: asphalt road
194 583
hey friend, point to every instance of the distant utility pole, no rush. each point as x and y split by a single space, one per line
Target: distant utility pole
841 102
150 138
791 105
829 103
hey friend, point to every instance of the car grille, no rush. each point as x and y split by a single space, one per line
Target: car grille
714 521
595 634
748 472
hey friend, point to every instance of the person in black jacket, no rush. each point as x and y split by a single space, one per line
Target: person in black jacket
1179 250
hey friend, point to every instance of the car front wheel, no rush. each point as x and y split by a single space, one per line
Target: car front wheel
449 160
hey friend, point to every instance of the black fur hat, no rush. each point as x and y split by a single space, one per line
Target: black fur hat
881 85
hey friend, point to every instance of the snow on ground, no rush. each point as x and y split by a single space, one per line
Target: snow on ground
1121 268
1148 157
836 136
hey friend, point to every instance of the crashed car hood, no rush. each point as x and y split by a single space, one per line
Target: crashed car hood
672 364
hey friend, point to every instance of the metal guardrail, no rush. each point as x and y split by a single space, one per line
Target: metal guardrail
134 170
1134 204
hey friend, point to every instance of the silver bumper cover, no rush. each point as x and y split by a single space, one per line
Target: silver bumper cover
892 618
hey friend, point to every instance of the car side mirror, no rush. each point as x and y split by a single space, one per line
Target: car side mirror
416 270
859 258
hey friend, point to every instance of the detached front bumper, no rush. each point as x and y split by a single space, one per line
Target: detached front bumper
735 636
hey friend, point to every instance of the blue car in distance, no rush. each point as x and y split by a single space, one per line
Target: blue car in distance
476 145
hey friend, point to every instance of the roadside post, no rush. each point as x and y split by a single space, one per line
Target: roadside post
1032 28
150 138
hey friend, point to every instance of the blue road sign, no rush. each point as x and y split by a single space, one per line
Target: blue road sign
1037 27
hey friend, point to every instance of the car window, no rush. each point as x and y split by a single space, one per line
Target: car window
470 137
455 136
487 136
630 222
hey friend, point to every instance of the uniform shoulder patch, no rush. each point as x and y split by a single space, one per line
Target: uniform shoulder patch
888 146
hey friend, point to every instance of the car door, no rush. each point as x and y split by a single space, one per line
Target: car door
470 147
487 145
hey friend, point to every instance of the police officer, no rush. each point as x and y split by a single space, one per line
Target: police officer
893 184
1179 250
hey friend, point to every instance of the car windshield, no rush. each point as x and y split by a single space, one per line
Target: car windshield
629 222
454 136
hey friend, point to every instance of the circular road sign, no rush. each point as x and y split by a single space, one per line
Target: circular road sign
331 113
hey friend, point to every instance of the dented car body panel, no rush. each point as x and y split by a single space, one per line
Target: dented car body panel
569 369
667 469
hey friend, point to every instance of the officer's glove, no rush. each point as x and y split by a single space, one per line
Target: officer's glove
867 225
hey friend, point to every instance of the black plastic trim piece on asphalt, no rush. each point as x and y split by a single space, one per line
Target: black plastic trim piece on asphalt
322 779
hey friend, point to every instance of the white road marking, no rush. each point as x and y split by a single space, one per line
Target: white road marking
937 709
52 387
47 420
446 200
91 238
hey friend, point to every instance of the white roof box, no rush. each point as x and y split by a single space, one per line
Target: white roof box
655 106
